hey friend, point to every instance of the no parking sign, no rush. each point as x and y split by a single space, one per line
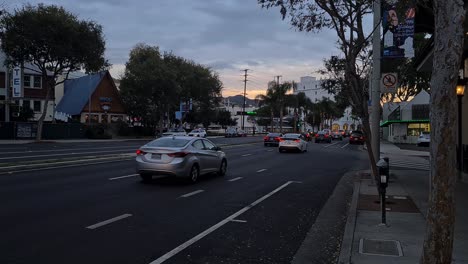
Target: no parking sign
389 83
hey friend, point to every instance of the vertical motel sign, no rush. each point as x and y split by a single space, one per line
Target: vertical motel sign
17 83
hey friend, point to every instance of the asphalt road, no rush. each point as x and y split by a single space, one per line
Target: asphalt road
16 153
259 212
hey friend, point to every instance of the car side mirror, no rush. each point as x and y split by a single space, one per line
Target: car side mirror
217 148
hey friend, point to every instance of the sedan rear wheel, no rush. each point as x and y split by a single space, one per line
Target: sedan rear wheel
194 173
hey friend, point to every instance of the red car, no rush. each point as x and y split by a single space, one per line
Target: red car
356 137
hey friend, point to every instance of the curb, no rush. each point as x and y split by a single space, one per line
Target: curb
348 236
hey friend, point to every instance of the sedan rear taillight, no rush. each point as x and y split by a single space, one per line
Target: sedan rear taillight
316 135
278 139
140 152
266 138
361 137
297 140
178 154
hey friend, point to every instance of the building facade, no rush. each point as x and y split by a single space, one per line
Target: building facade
33 96
408 120
91 99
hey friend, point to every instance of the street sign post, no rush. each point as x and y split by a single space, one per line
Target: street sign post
389 83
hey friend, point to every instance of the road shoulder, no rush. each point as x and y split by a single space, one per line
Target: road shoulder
325 235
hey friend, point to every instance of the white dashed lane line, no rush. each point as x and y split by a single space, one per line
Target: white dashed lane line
191 194
235 179
246 155
327 146
106 222
122 177
262 170
344 146
208 231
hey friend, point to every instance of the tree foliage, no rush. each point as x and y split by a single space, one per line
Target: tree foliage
154 84
51 41
345 17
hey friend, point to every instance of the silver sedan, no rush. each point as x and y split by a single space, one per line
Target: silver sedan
292 141
180 156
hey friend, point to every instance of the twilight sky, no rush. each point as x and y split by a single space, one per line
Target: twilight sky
226 35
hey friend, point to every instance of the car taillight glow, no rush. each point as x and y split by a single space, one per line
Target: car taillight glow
266 138
278 139
316 135
178 154
326 135
140 152
361 137
297 140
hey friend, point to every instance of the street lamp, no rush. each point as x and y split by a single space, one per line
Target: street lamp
460 93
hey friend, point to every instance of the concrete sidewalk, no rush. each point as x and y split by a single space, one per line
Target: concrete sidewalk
366 240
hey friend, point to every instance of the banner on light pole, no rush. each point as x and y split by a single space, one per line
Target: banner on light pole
17 83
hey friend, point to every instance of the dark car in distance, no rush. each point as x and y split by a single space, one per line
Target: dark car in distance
323 136
272 139
356 137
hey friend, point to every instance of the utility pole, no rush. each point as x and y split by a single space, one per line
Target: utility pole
245 90
7 94
375 106
277 79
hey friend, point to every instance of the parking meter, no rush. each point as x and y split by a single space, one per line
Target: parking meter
383 178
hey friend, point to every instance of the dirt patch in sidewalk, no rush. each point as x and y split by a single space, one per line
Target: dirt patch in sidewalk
401 204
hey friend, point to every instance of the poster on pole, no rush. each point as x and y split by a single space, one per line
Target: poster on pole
398 28
17 83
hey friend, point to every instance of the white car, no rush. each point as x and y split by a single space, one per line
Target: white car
292 141
174 132
199 132
424 139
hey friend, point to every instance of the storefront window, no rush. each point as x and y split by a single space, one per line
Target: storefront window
416 129
94 118
104 119
116 118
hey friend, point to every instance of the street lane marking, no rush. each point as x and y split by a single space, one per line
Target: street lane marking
347 144
331 145
183 246
399 197
121 177
81 163
235 179
238 221
58 154
261 170
270 150
103 223
71 149
192 193
246 155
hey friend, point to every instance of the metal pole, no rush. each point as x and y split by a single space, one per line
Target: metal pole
382 206
89 105
245 90
460 151
375 115
7 95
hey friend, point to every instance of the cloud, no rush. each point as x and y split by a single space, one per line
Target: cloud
226 35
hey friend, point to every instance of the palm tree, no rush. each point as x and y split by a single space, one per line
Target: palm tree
280 93
268 100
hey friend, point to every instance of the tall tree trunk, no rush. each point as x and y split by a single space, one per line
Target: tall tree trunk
40 122
448 49
271 119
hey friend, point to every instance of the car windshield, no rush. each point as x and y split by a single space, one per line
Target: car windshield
274 135
169 143
294 136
